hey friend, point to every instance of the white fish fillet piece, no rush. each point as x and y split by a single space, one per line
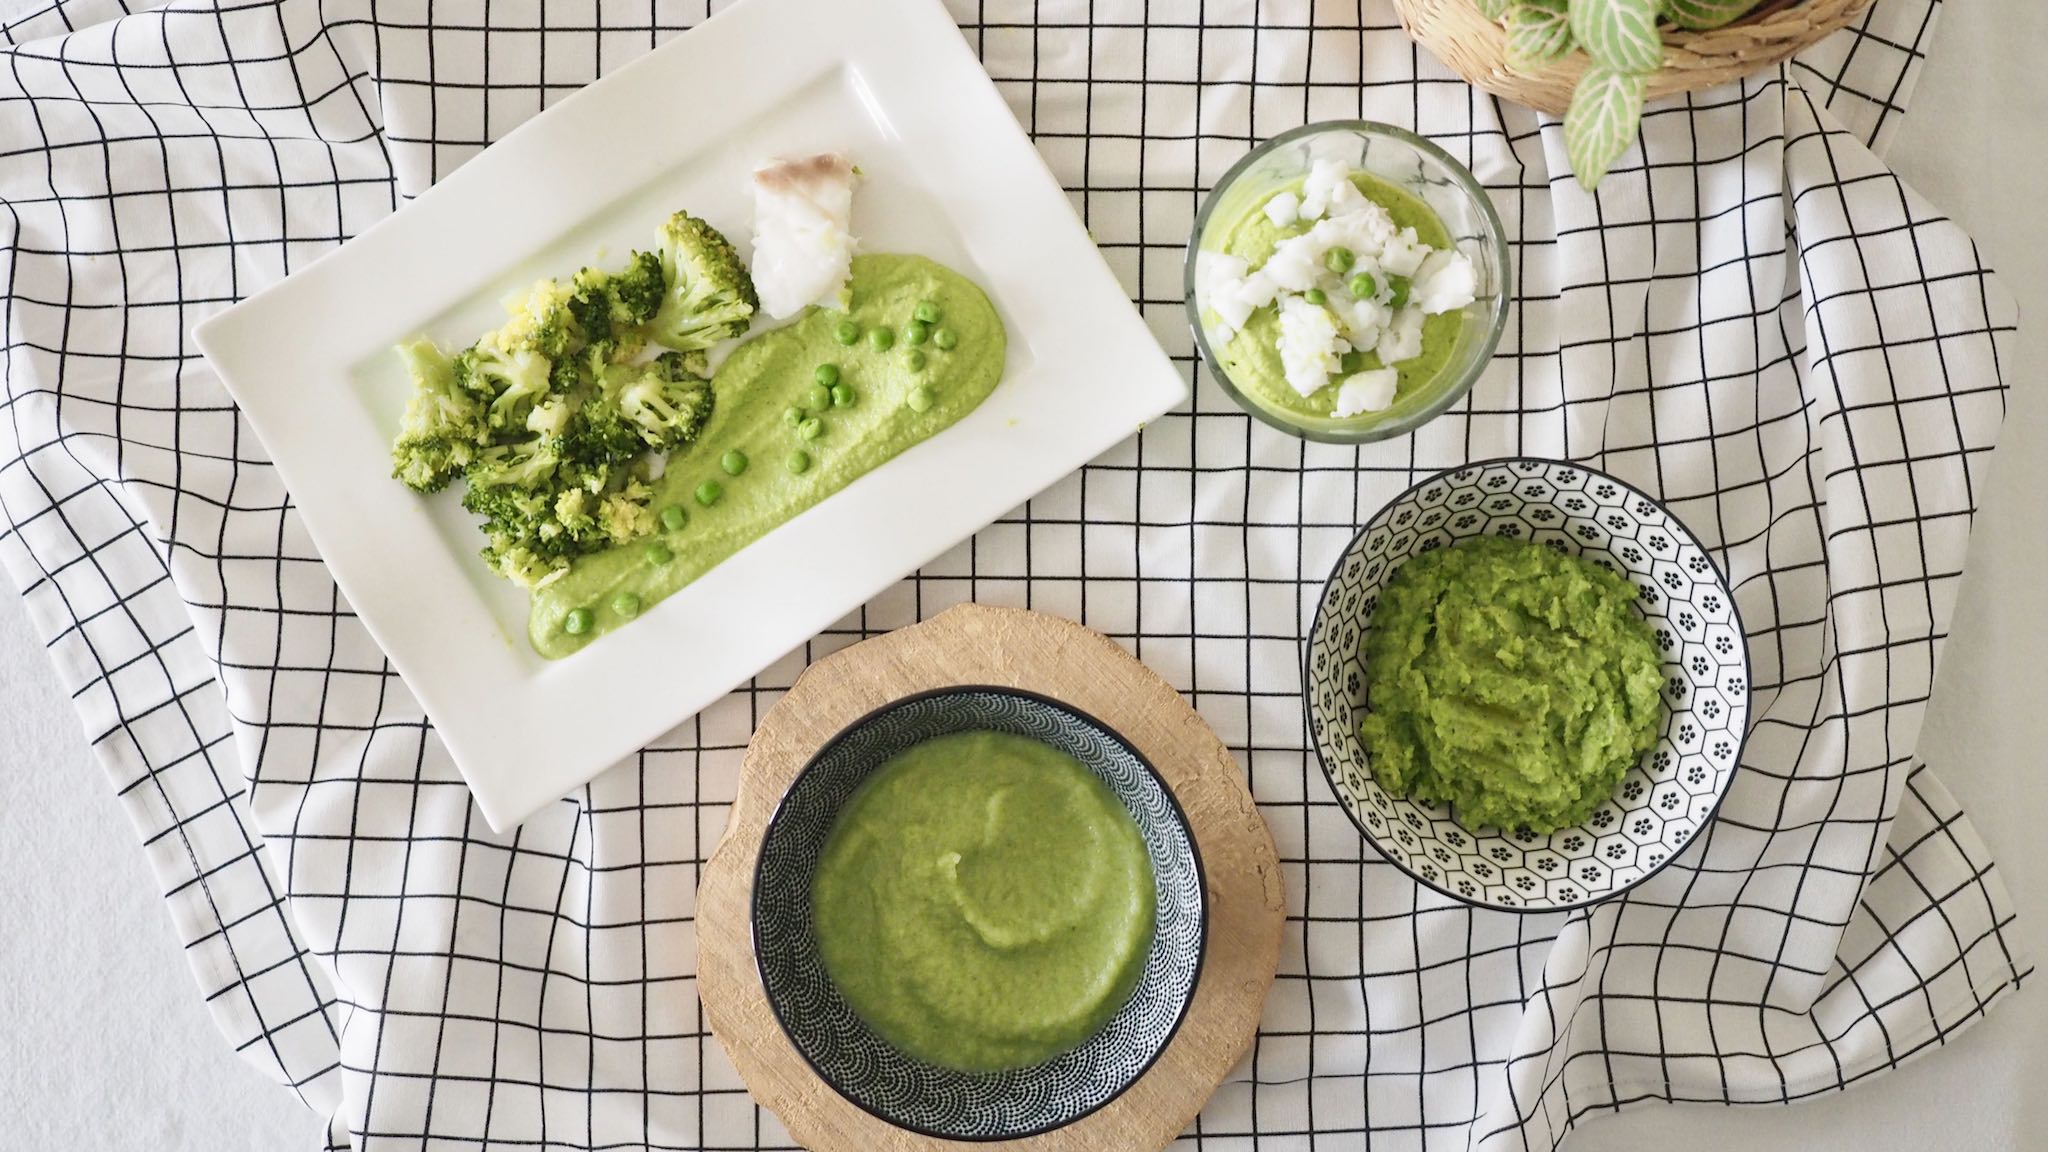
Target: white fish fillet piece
803 238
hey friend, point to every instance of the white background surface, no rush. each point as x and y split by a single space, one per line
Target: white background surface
104 1043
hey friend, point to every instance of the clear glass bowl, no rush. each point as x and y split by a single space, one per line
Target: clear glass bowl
1414 165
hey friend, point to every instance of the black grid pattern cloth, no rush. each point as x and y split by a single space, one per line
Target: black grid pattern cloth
1754 321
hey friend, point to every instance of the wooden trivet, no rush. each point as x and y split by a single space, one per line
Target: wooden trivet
977 645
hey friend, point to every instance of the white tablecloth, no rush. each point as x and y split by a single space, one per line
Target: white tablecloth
1281 1081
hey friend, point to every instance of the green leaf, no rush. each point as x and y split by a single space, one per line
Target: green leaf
1538 30
1601 123
1494 9
1620 35
1706 13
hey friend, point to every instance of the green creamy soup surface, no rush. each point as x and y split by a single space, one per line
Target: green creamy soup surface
1513 682
984 902
799 412
1252 356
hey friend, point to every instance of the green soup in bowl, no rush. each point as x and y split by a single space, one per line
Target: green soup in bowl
979 914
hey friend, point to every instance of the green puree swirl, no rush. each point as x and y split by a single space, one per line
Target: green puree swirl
1515 683
984 902
752 469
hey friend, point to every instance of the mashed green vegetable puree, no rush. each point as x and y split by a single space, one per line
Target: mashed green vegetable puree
750 428
984 902
1513 682
1252 357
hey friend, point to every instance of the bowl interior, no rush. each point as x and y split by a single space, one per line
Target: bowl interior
938 1101
1412 164
1663 801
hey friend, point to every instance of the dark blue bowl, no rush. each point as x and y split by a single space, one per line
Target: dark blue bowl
937 1101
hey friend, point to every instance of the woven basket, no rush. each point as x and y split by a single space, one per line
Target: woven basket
1477 48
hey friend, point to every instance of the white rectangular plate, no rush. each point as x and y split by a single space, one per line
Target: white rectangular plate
949 174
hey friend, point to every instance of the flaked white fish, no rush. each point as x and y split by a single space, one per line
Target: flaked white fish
803 238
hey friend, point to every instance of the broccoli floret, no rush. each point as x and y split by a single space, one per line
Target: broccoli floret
707 295
624 515
445 421
518 379
600 432
604 305
679 364
525 465
637 290
541 320
664 401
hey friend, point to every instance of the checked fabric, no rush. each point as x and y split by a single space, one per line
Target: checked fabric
1754 320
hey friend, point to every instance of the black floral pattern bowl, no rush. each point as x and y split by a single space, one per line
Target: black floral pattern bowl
1663 802
941 1102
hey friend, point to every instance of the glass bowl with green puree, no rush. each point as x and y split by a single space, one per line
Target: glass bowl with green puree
1528 684
1417 185
979 914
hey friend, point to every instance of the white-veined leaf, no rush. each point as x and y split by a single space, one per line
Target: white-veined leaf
1620 35
1706 13
1538 30
1601 123
1494 9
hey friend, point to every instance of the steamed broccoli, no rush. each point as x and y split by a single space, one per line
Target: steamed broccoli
664 400
445 421
637 289
602 303
550 419
517 378
709 297
541 321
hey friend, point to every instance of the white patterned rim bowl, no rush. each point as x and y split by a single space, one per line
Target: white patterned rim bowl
1662 803
940 1102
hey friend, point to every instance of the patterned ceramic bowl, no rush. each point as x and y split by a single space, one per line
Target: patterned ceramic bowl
937 1101
1661 804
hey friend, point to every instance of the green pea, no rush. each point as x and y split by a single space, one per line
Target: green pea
1315 296
921 399
945 338
1351 362
1398 285
847 333
708 492
843 396
810 429
914 360
659 553
926 312
792 416
819 396
674 517
734 462
799 462
881 339
1339 260
626 604
1364 287
578 621
826 374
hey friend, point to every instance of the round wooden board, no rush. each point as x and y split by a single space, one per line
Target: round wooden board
976 645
